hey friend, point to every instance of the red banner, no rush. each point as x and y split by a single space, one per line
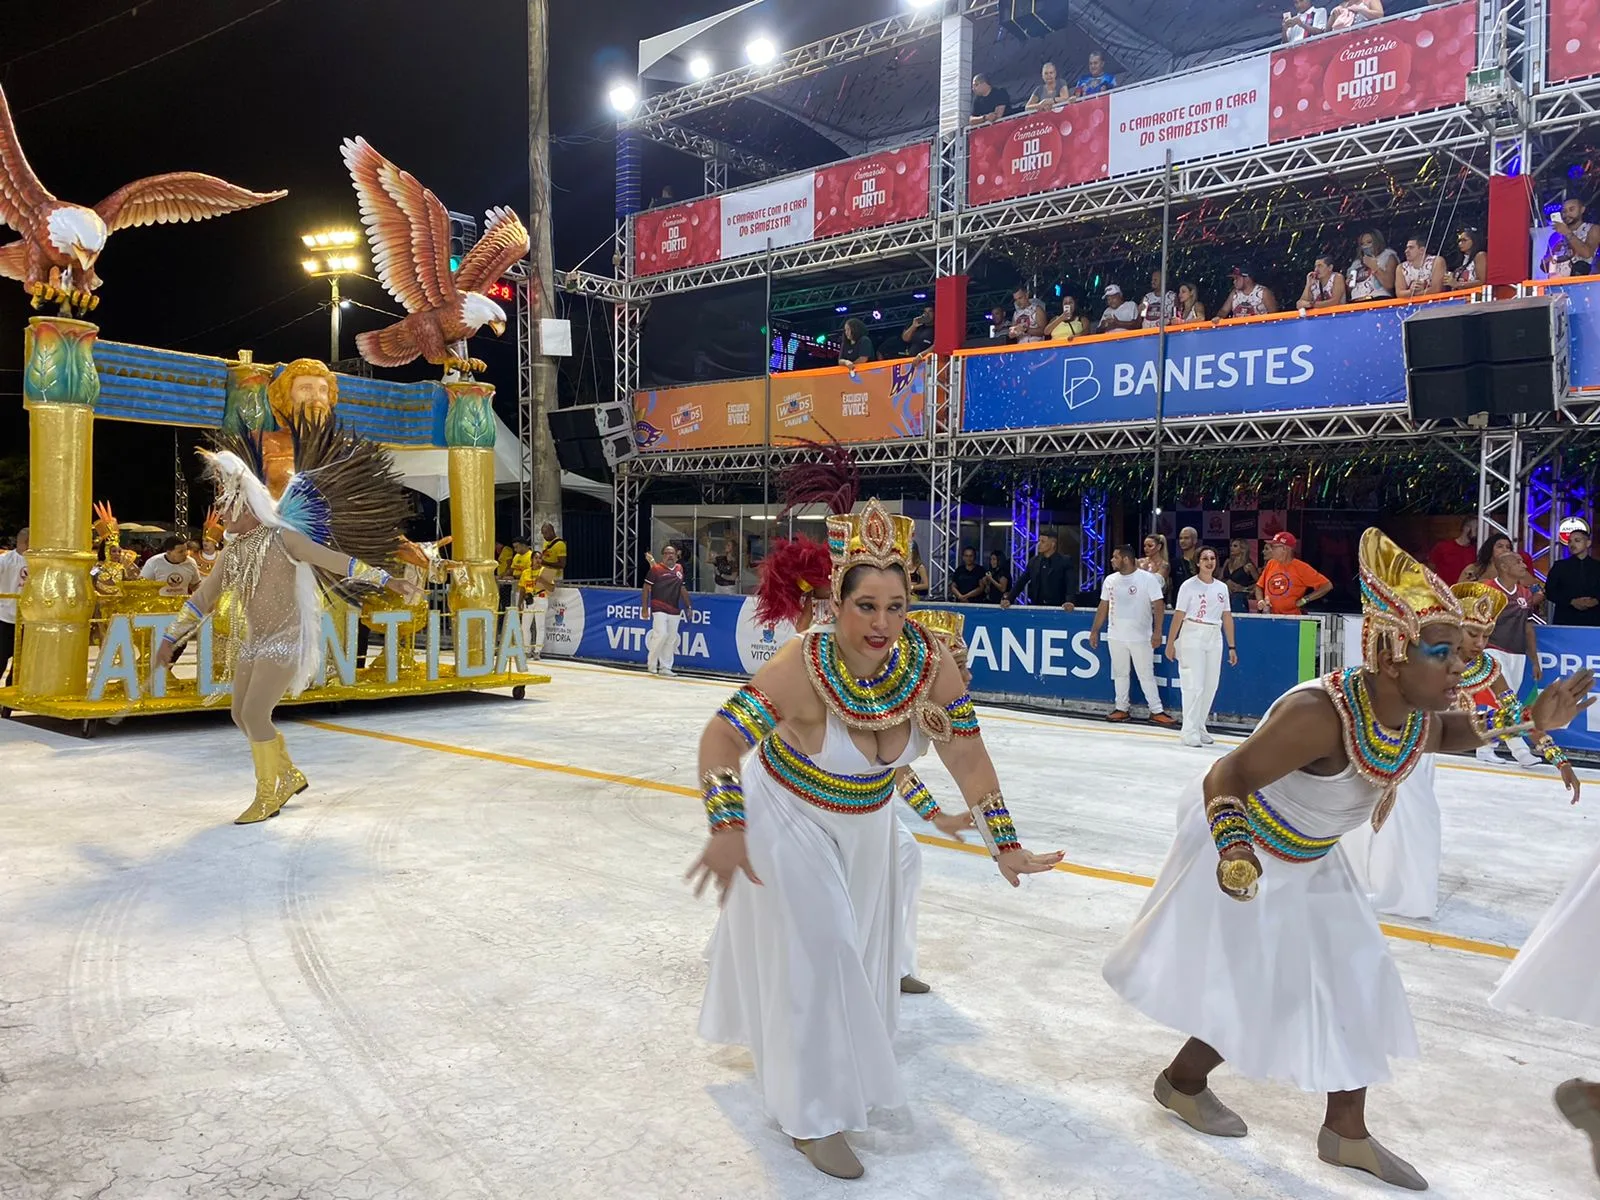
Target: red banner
1041 153
880 189
1373 72
668 239
1574 39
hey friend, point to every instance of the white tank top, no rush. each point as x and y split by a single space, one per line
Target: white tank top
1250 304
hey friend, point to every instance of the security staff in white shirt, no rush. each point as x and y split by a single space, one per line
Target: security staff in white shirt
1201 618
1131 599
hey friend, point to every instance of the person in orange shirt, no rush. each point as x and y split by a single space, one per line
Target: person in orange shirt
1286 584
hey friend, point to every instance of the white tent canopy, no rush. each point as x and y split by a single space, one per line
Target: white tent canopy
428 470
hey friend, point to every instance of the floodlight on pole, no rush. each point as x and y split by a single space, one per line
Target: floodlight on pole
624 97
699 67
760 51
330 266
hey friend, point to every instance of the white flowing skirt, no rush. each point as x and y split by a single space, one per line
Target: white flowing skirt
805 969
1556 973
1398 867
1295 985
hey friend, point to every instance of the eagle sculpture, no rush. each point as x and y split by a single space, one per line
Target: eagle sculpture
61 242
410 235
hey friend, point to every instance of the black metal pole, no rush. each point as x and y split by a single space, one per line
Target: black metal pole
766 420
1161 339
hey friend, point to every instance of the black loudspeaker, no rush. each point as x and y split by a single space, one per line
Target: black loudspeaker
1033 18
592 437
1506 358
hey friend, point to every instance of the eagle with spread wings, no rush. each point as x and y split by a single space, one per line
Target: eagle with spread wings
409 231
61 242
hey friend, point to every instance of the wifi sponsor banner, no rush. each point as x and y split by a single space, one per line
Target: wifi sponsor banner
880 189
1574 39
1386 69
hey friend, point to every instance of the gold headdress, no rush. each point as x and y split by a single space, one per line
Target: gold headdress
873 537
1481 604
1399 596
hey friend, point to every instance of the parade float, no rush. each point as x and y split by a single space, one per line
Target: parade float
86 623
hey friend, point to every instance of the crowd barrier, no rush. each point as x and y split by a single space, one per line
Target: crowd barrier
1021 655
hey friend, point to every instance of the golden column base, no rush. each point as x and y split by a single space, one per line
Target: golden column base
60 386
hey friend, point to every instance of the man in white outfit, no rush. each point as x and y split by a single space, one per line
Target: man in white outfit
665 599
1130 599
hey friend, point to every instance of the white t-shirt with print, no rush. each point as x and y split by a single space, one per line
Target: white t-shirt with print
1204 602
1129 598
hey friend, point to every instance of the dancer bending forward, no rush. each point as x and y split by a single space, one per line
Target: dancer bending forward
806 959
1296 983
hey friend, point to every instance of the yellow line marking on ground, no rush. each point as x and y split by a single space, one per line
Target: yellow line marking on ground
1444 941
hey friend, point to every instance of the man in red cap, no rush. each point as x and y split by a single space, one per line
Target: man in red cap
1286 584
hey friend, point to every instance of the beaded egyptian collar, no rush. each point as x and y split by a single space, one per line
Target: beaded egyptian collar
900 692
1481 672
1381 756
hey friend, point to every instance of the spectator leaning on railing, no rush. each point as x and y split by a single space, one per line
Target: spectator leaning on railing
1119 313
1373 269
1069 324
1050 92
1307 20
1154 301
917 337
1474 267
989 103
1421 274
1190 310
1324 286
1096 79
966 581
1028 321
1248 298
1573 244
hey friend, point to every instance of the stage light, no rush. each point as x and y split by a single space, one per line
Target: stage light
310 240
919 295
841 308
999 524
311 265
877 314
344 304
699 66
623 98
822 339
1575 171
760 51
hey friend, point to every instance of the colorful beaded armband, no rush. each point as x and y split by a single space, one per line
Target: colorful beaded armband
963 717
751 713
189 618
362 573
724 799
1550 752
995 826
915 793
1229 825
1503 721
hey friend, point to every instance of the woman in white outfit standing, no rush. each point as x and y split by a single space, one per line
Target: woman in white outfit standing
1201 620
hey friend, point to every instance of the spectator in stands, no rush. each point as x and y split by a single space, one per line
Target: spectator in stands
1119 313
665 198
1155 560
917 574
1573 584
989 103
1451 558
1482 568
1070 323
1474 268
996 580
855 347
1305 21
172 568
1421 274
1287 584
1050 91
967 580
1190 310
1372 273
1046 578
1187 564
1154 301
1248 298
1573 244
1349 13
1512 642
917 337
1029 320
1239 573
725 570
1324 286
1096 79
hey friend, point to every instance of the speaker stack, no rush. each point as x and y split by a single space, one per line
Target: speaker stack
593 437
1033 18
1506 358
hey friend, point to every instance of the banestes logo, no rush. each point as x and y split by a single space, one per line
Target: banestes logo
1078 383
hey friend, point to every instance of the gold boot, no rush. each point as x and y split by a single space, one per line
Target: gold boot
270 794
293 781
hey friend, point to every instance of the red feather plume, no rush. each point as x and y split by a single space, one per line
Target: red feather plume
832 481
794 570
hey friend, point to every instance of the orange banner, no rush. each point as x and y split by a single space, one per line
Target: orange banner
872 404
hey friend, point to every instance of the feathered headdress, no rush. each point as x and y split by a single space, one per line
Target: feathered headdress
798 570
1398 597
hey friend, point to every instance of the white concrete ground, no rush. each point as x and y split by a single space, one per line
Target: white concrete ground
464 965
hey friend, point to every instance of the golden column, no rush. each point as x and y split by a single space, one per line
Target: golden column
59 388
469 434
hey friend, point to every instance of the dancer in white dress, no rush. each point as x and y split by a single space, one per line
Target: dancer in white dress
1297 983
1398 867
805 962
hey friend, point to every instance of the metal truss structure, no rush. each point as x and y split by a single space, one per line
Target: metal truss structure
1027 499
1366 162
1092 552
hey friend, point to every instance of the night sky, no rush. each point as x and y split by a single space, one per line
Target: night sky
439 88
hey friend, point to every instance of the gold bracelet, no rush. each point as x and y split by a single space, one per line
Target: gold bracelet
994 824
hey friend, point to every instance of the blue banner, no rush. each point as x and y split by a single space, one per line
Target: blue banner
1339 360
1583 300
1026 655
1565 650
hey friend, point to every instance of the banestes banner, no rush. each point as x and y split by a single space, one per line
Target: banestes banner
1405 64
873 404
1340 360
863 193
